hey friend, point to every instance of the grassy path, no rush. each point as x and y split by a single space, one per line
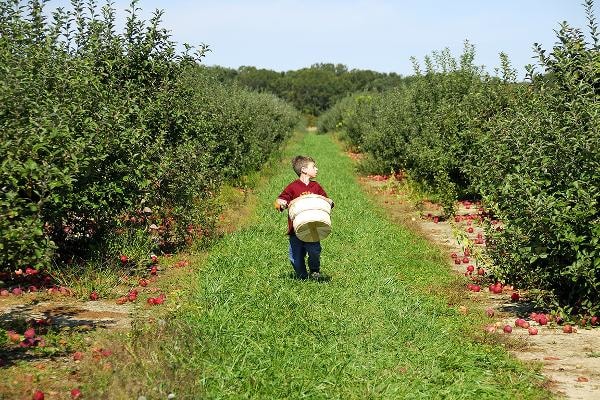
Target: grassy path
374 331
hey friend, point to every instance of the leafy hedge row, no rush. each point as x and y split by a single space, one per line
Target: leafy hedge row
530 151
96 126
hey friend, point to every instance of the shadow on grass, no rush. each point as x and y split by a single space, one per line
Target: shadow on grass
292 276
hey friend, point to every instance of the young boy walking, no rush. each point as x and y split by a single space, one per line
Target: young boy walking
307 171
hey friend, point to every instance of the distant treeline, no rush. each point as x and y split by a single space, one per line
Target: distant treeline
311 90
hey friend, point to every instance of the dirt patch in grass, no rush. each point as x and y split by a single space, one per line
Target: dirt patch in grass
570 361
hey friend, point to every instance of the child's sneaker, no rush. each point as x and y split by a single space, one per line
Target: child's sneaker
315 276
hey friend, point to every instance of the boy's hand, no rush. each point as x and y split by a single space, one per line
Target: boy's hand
280 204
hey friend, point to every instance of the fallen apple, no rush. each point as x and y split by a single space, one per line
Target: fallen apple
94 296
75 393
38 395
507 329
534 316
490 312
532 330
567 328
514 296
519 322
29 333
13 336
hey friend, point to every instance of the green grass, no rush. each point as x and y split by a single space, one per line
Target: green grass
378 329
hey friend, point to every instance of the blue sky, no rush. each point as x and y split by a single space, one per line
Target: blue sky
380 35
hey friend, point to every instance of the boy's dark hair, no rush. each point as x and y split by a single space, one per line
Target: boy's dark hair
300 162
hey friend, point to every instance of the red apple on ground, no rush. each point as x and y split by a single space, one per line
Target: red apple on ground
122 300
490 312
143 282
594 320
567 328
75 393
534 316
13 336
77 356
519 322
542 319
507 329
17 291
64 290
480 271
38 395
4 293
124 259
532 330
29 333
94 296
470 268
514 296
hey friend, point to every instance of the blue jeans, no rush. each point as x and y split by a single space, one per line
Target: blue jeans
298 252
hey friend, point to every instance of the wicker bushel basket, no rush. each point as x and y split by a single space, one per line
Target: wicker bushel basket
310 215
